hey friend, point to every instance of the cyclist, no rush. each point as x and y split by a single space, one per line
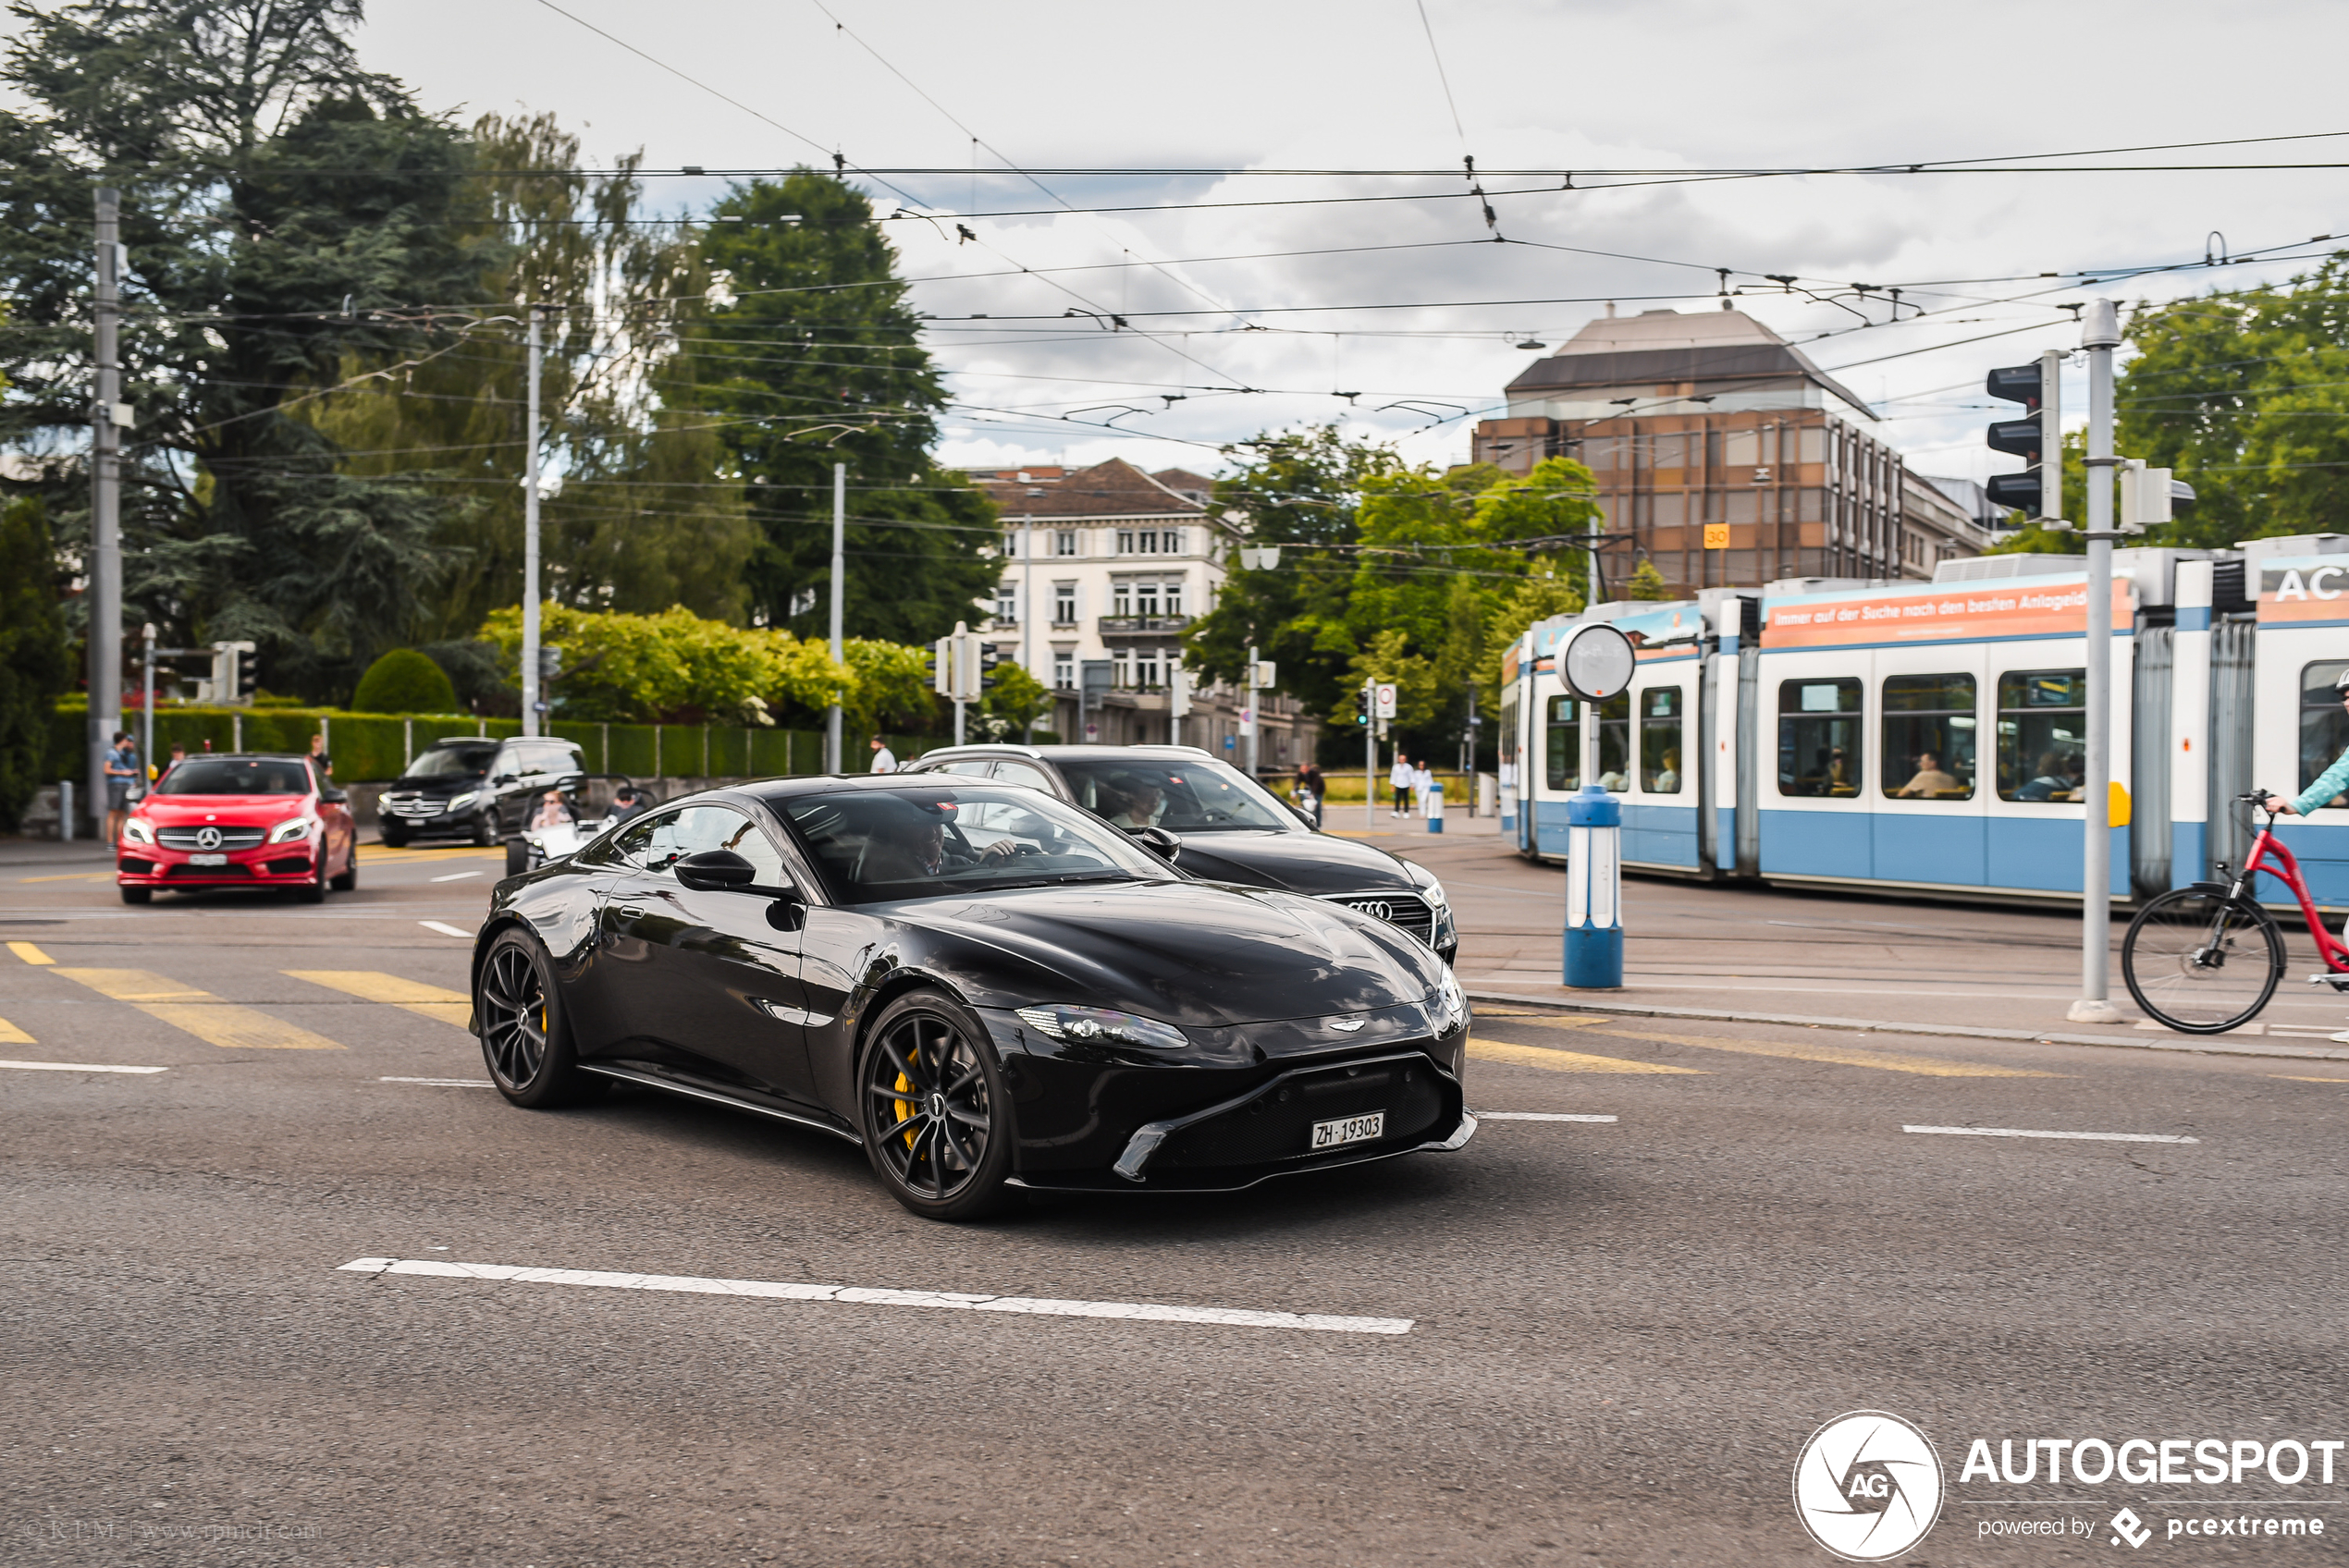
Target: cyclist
2329 784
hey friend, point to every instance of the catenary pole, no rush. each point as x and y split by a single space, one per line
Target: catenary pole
833 763
2100 336
1027 617
105 506
530 682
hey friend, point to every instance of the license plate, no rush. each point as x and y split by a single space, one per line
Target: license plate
207 860
1349 1130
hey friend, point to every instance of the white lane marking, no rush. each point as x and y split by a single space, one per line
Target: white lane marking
457 877
857 1295
444 1083
2032 1133
1536 1116
444 930
77 1067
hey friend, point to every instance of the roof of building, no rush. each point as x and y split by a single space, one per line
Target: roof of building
1674 346
1113 489
1183 481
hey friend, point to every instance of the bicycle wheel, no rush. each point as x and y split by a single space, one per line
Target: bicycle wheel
2200 962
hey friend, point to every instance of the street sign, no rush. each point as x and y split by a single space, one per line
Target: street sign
1382 700
1716 535
1596 661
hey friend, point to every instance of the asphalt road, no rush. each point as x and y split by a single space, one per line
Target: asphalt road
1620 1332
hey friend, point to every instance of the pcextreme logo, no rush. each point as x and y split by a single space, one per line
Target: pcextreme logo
1867 1485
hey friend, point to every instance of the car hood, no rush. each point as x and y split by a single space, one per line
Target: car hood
1312 863
440 785
1191 953
244 810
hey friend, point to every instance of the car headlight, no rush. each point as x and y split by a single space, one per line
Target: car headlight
137 832
1449 1003
1429 889
1083 1025
459 803
291 828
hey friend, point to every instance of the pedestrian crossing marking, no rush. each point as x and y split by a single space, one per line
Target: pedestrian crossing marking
373 986
1843 1055
217 1023
29 953
1566 1061
2284 1075
12 1036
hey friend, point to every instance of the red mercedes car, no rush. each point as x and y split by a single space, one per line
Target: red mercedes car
240 821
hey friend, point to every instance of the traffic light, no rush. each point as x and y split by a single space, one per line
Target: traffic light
248 673
1362 705
2037 491
987 661
941 666
551 663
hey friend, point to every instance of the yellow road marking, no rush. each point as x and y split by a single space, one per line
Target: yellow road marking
2295 1080
1550 1018
29 953
12 1036
1566 1061
369 984
1844 1056
200 1013
73 877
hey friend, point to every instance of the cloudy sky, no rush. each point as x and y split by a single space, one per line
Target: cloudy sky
1256 316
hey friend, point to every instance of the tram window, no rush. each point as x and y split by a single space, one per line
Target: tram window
1562 744
1819 738
1614 744
2043 718
1928 737
1660 713
2324 722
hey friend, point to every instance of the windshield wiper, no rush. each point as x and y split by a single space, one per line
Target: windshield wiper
1063 878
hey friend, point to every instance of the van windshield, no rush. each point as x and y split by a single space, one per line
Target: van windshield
451 762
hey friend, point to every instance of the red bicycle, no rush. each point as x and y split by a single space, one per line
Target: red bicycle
2206 958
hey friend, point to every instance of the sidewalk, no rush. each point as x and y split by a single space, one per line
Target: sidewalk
81 854
1834 960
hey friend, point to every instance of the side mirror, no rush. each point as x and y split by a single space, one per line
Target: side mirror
1157 841
503 778
715 871
333 796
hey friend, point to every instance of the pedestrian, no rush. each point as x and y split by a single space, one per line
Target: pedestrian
319 759
178 755
1398 778
123 775
1421 782
1309 779
884 760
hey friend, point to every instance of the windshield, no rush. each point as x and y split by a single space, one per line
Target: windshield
1184 797
451 762
877 844
237 776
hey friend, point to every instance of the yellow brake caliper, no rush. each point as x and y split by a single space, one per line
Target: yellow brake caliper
906 1107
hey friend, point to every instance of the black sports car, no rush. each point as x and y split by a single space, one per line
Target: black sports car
983 985
1231 828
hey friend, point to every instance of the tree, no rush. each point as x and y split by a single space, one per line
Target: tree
404 681
811 350
34 668
1647 583
674 667
1016 701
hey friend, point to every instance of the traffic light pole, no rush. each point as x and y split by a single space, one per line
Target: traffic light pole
530 682
105 510
839 553
1370 757
1255 722
2101 336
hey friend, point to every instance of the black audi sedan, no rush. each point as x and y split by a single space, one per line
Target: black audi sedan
1232 828
984 986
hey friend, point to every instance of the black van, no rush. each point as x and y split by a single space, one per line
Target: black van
477 789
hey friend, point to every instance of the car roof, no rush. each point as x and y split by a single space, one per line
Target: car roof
246 756
1046 753
828 783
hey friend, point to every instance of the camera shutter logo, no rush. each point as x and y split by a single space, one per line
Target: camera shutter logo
1867 1485
207 837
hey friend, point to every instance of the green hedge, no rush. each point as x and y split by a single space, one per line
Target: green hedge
371 748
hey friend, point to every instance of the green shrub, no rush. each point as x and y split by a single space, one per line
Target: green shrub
404 681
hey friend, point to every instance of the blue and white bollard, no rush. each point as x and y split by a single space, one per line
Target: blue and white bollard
1593 890
1435 807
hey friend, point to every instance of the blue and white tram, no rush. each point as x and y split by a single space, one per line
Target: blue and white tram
1930 737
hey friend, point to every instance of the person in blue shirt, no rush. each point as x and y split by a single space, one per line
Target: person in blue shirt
2329 784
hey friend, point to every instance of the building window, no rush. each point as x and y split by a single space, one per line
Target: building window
1125 541
1064 542
1011 542
1928 737
1170 542
1064 671
1146 598
2042 734
1172 596
1146 669
1819 738
1121 598
1121 670
1007 603
1064 604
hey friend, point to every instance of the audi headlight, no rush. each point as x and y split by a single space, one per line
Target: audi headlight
1429 889
137 832
1449 1003
291 828
1084 1026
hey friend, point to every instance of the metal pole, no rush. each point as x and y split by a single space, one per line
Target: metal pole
530 536
105 506
147 707
2101 336
1370 756
1027 617
1254 722
840 552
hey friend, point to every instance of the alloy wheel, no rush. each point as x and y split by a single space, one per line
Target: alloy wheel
928 1106
513 1016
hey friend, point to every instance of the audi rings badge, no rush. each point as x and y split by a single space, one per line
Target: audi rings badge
1377 908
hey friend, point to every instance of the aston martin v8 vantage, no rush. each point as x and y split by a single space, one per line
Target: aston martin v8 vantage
984 986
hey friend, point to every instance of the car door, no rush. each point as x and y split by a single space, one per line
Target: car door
716 983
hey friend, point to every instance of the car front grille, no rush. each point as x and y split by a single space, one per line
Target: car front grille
1408 911
1278 1124
294 866
414 805
189 837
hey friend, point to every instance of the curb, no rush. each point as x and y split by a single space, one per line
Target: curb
2209 1045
